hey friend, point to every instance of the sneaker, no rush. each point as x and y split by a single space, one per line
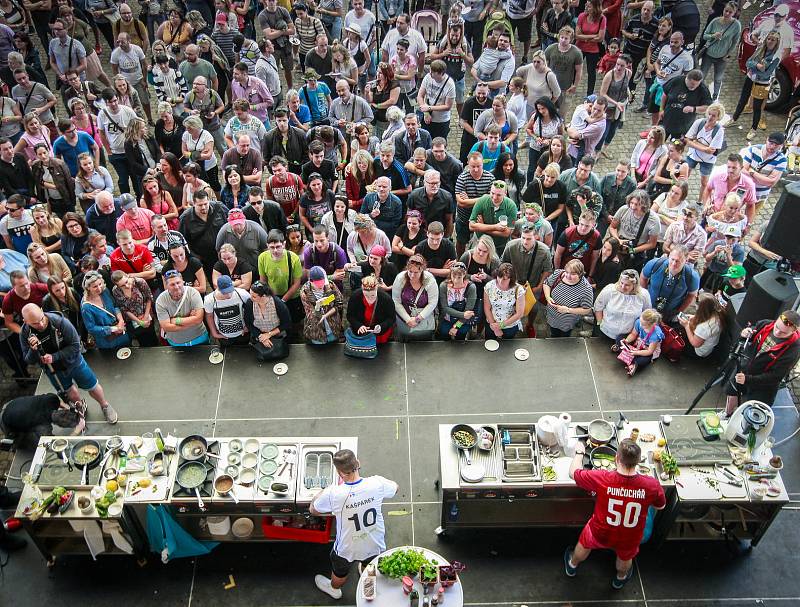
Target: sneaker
110 414
568 568
641 109
750 135
617 583
10 543
324 584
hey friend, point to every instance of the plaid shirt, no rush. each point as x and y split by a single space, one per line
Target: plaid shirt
694 240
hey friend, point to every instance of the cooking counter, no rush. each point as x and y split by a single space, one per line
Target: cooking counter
304 464
702 503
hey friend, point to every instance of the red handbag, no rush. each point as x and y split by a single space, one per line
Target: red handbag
673 344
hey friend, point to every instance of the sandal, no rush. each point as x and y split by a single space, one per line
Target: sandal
631 370
615 348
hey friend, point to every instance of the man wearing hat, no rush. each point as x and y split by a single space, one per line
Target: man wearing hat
269 21
135 219
734 283
773 351
766 164
316 95
687 231
224 310
247 237
777 22
720 255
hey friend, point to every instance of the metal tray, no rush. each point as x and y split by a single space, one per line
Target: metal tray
520 454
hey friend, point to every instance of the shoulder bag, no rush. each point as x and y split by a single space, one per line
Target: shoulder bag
360 346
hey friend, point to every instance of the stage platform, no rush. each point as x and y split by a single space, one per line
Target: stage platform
394 405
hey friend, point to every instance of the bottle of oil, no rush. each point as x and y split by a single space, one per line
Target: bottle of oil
159 439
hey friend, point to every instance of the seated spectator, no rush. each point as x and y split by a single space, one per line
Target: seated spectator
384 271
134 299
504 304
190 268
415 296
101 317
569 297
238 270
704 327
326 254
407 237
643 343
371 309
179 310
323 304
224 312
457 300
619 305
439 252
43 265
268 323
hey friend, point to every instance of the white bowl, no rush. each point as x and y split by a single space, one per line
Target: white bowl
242 527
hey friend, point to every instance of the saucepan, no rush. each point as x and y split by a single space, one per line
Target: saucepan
194 448
191 476
223 485
59 447
600 432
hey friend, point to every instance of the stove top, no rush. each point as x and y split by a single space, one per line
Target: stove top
207 488
687 445
587 459
55 473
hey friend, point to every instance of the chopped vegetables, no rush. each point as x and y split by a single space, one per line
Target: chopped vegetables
463 439
549 473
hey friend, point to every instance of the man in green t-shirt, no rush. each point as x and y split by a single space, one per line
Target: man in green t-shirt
282 271
494 214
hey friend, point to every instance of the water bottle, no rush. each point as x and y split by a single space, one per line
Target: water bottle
454 512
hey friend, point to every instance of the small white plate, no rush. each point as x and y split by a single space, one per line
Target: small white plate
294 41
280 369
216 357
124 353
492 345
521 354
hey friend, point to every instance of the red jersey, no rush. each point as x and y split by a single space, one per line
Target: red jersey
287 193
134 263
620 510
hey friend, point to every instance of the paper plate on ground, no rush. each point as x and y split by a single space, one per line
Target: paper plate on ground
521 354
216 357
492 345
280 369
124 353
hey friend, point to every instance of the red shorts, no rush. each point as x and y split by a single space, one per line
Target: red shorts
588 541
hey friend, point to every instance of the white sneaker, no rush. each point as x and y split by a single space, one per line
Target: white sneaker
110 414
324 584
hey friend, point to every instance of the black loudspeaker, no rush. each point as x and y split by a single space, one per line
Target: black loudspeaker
781 233
770 293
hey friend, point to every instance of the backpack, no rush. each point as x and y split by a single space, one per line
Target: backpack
714 132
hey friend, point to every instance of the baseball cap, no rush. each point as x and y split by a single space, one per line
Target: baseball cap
732 230
221 18
777 137
311 74
591 98
127 201
236 217
317 276
782 10
225 284
735 272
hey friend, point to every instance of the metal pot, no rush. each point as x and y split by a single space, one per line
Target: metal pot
223 485
601 450
600 432
59 447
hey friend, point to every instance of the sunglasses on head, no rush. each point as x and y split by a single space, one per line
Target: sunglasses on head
787 322
171 274
293 227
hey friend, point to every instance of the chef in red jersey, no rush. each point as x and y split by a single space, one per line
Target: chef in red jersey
620 512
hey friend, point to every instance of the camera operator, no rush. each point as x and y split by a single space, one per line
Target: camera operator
773 350
27 418
672 284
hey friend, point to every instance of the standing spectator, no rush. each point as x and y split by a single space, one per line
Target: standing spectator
687 232
586 128
130 61
15 172
720 39
417 47
308 27
636 229
286 141
436 95
471 185
207 105
244 123
443 161
672 283
731 180
179 310
383 207
136 30
590 34
276 24
34 97
169 84
581 241
569 297
454 51
16 224
681 100
200 224
71 144
615 188
638 33
766 164
246 158
65 53
193 66
254 91
468 116
566 61
706 138
494 214
112 122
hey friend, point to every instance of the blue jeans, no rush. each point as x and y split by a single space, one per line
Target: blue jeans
608 136
334 27
120 164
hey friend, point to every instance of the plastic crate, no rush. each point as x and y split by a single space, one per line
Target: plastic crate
313 536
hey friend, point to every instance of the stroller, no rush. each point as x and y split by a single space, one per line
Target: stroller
428 23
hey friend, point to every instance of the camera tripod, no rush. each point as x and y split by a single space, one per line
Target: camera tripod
726 371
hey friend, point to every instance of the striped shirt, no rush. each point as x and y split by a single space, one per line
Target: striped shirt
307 32
578 295
758 164
474 189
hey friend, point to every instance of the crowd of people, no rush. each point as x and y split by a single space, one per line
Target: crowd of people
244 207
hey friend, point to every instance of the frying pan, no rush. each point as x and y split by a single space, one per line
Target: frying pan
184 470
471 431
59 447
90 464
601 450
600 432
193 448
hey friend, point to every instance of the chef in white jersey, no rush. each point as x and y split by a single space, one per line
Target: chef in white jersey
356 504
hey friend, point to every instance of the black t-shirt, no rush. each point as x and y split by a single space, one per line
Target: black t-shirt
241 268
24 413
565 163
436 259
401 260
388 271
327 170
323 66
189 274
675 121
469 114
554 196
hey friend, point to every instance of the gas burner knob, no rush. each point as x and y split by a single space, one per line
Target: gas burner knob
182 509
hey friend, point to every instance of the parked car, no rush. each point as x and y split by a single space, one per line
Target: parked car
786 83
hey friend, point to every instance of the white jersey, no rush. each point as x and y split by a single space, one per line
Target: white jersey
360 532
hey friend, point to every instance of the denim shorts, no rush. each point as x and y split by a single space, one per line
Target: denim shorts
460 89
82 376
705 167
